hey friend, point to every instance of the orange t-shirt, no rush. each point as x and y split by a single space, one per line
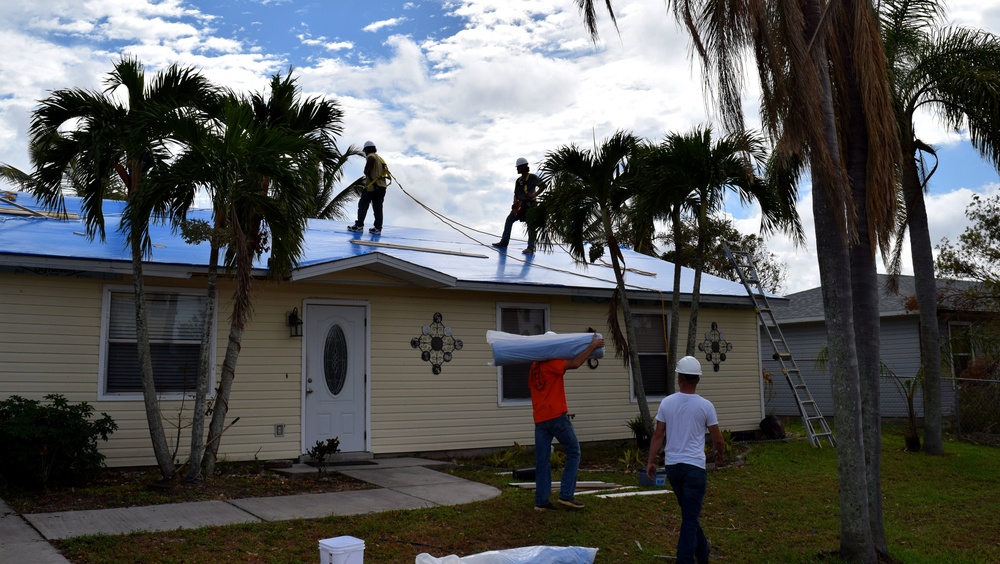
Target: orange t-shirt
548 396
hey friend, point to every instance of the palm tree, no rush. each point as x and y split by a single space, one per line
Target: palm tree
810 55
80 139
260 179
269 164
276 212
708 169
587 203
662 195
955 72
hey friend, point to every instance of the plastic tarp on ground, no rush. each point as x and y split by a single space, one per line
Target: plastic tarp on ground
509 348
523 555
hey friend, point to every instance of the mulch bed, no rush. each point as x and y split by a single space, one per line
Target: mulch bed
116 487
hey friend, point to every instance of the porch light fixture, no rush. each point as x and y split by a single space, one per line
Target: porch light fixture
294 323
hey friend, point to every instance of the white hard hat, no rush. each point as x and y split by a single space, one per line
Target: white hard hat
522 161
689 365
369 144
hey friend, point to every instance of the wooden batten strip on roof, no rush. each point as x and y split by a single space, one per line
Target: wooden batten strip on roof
418 249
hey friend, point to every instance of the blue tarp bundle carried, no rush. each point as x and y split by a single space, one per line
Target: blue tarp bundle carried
517 349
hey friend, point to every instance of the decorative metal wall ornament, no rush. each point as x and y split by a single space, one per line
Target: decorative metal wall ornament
436 344
715 346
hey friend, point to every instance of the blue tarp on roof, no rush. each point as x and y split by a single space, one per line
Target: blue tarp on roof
454 258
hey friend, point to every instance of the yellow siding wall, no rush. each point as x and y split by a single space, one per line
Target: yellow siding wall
50 342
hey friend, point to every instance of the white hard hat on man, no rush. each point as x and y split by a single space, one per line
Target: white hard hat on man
689 365
521 162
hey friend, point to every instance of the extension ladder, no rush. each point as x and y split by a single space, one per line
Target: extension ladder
816 425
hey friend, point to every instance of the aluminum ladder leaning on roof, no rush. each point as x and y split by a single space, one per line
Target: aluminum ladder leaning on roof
816 425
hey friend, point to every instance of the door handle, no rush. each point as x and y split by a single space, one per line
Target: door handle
309 390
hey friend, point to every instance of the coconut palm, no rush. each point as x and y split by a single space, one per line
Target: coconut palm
823 88
80 139
588 203
954 72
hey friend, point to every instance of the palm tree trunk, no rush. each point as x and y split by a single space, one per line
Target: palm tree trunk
832 250
699 265
926 290
161 450
865 298
865 295
675 301
194 475
633 351
222 399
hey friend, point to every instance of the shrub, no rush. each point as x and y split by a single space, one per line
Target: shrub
324 449
50 444
506 458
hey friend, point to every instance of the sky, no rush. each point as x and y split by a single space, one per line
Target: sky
452 92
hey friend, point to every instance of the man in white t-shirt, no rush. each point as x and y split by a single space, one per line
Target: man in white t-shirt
681 422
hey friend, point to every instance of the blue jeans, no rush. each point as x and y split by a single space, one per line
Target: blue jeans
509 224
562 430
688 483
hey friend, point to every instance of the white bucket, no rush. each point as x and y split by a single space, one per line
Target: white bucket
342 550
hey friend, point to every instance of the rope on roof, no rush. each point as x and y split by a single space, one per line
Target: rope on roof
452 223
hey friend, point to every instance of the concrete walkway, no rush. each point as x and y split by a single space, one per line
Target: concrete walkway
404 483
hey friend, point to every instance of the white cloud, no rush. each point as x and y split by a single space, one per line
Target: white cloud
375 26
449 112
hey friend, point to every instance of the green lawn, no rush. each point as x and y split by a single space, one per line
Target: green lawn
780 506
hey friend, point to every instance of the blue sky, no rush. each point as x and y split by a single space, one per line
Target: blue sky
451 91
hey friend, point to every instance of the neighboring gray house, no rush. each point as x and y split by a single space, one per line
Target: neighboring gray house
802 324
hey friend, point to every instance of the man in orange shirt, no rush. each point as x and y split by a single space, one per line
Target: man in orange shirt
548 406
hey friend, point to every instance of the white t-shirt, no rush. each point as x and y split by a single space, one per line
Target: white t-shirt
686 417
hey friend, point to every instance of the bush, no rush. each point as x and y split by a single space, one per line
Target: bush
50 444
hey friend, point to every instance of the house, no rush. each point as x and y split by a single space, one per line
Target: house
391 355
802 324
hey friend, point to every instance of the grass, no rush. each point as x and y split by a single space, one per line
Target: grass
781 505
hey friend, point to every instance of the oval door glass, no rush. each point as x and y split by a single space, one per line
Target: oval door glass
335 359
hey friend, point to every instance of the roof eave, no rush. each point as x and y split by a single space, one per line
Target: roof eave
94 265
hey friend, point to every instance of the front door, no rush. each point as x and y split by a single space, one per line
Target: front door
335 375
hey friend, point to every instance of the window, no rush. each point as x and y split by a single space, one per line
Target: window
650 334
519 320
962 353
175 323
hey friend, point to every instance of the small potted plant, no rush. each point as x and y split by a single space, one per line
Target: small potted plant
639 432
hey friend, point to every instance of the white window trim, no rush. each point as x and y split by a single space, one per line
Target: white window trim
501 402
105 327
631 380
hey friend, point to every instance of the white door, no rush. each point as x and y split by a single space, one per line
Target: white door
335 375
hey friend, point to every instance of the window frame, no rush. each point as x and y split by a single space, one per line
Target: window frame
971 354
102 380
654 398
517 402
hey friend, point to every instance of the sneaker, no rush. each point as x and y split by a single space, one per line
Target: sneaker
375 231
528 251
500 245
356 228
547 506
572 503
